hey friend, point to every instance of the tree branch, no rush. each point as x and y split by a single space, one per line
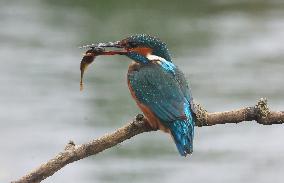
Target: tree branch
260 113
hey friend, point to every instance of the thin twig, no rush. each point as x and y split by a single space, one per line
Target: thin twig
260 113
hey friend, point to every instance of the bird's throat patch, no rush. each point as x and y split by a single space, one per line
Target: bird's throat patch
166 65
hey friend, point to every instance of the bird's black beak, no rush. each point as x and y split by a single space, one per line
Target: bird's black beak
121 50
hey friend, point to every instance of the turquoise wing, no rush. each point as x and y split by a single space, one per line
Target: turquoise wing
166 94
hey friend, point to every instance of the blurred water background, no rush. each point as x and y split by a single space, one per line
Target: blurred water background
232 51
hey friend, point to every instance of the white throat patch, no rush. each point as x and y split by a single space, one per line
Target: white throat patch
154 58
166 65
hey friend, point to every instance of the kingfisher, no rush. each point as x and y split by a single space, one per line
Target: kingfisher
158 86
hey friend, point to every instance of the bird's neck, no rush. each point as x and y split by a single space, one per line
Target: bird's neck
134 66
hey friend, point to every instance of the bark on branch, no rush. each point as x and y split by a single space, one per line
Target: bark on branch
260 113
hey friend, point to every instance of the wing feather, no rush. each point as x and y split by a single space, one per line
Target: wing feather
159 90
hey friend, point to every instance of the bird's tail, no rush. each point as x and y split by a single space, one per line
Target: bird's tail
182 132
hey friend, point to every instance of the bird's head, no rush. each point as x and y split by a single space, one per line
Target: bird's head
141 48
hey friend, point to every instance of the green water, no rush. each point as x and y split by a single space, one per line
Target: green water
231 51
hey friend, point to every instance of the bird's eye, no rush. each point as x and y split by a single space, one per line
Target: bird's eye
132 44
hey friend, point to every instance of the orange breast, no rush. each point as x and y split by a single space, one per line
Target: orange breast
152 119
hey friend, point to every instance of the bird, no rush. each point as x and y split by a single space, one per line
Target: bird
158 86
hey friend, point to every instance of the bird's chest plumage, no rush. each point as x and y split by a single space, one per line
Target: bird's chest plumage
157 92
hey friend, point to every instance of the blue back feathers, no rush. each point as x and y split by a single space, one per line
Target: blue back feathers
164 90
168 66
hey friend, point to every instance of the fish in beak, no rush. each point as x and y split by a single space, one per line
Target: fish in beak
96 50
